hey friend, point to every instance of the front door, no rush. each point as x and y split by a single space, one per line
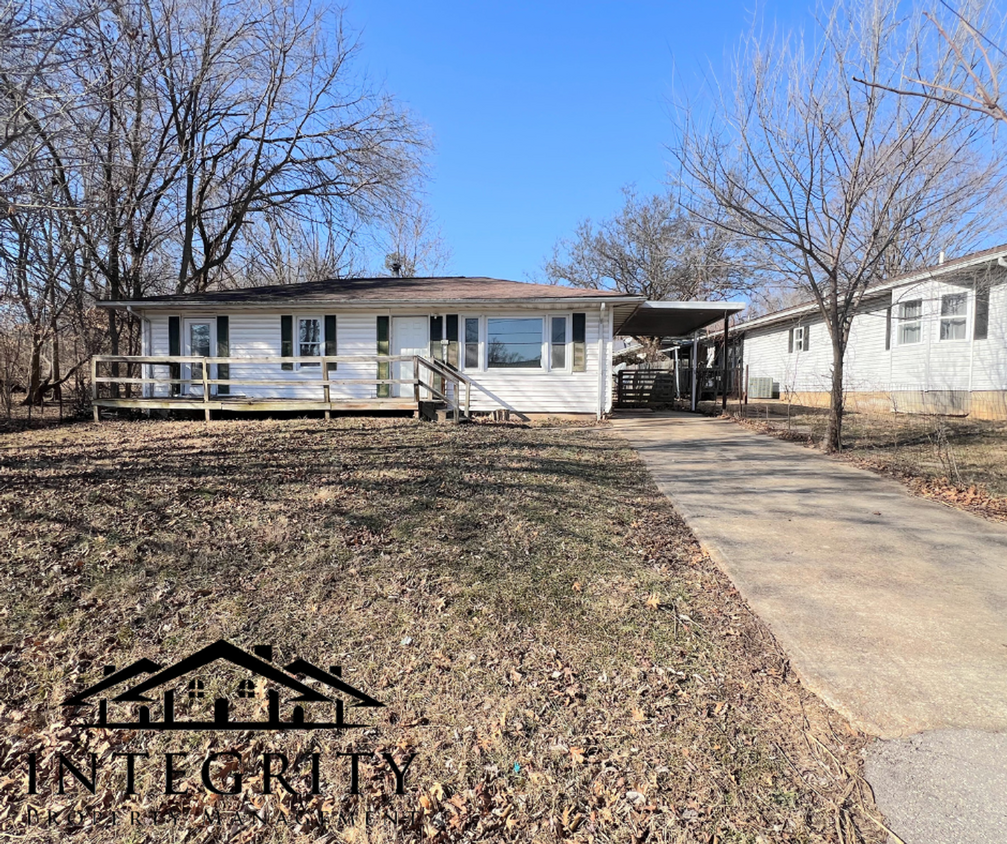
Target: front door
197 344
410 336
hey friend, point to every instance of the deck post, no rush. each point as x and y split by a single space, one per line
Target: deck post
416 380
326 395
94 386
468 399
206 391
723 398
695 363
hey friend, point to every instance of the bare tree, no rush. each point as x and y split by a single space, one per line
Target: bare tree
653 248
413 242
168 135
969 35
840 183
37 47
289 251
268 116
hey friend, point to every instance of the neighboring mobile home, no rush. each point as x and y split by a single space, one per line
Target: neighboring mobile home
475 344
930 341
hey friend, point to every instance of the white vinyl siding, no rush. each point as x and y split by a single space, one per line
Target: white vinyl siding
257 333
926 318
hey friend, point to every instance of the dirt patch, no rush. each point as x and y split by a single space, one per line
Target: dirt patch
554 651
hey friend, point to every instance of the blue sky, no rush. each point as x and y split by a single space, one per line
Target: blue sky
542 111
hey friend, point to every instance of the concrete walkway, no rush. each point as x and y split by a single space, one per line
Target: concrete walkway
893 609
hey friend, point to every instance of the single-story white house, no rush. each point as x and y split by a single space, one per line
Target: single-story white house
474 344
929 341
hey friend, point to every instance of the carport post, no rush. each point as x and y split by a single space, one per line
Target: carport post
695 362
723 385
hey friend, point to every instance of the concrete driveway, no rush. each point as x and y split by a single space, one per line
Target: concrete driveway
893 609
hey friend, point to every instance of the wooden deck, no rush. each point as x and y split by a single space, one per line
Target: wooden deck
262 405
433 382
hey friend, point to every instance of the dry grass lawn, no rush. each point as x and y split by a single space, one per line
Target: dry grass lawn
958 460
553 648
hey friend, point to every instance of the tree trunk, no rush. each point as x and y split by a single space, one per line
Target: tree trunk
834 436
35 388
54 367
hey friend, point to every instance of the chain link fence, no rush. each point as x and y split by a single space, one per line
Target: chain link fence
953 437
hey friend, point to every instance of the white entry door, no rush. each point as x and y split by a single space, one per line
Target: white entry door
410 336
198 343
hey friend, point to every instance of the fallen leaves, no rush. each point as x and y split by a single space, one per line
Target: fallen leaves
545 633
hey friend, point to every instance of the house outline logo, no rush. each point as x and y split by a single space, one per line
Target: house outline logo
258 663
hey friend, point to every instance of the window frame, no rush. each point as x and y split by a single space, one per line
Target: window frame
298 318
479 343
546 318
566 344
913 322
954 319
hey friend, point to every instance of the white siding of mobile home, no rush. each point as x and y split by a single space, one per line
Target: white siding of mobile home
931 364
256 333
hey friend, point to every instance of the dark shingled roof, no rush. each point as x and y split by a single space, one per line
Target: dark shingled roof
345 290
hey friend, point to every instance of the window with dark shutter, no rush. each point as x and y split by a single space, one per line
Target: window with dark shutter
982 326
578 325
790 342
223 351
384 367
287 341
451 335
888 329
174 348
331 346
436 335
807 338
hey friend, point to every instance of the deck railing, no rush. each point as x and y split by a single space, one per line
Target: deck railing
430 380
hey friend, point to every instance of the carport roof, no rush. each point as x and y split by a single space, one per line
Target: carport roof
671 319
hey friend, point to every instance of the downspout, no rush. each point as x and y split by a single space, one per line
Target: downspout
145 338
693 404
677 395
602 365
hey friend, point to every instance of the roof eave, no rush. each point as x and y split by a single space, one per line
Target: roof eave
147 304
927 274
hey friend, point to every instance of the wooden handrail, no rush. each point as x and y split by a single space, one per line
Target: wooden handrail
450 378
165 360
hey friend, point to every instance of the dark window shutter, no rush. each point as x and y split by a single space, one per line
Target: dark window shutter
982 326
451 334
223 351
790 341
436 333
174 348
331 346
286 341
807 337
579 331
888 329
384 367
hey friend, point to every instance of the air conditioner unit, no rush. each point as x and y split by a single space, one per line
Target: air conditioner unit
760 388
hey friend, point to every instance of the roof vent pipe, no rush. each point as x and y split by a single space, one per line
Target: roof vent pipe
940 258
